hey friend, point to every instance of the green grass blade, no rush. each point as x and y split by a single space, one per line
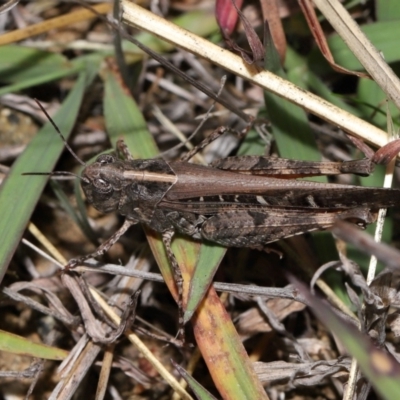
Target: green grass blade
34 67
387 10
289 123
202 23
200 392
383 35
18 345
210 257
19 194
124 120
19 63
74 213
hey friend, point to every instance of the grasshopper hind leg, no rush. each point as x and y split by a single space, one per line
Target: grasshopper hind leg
256 228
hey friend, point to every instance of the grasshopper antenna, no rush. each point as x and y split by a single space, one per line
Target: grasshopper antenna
56 173
61 135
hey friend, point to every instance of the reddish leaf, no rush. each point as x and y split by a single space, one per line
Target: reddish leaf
227 13
227 16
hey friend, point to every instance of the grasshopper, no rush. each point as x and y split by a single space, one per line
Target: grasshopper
247 201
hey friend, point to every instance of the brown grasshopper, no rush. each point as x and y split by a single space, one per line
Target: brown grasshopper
236 202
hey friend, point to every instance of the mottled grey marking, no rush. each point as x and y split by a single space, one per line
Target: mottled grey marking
259 218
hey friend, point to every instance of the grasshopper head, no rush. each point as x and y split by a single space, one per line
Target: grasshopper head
102 183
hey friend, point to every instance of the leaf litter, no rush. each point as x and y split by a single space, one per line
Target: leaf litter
294 352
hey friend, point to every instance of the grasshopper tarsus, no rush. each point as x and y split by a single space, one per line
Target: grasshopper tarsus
123 151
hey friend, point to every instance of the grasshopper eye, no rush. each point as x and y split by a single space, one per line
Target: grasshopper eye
102 186
105 159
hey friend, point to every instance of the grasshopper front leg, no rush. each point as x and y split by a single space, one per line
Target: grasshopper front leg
104 247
